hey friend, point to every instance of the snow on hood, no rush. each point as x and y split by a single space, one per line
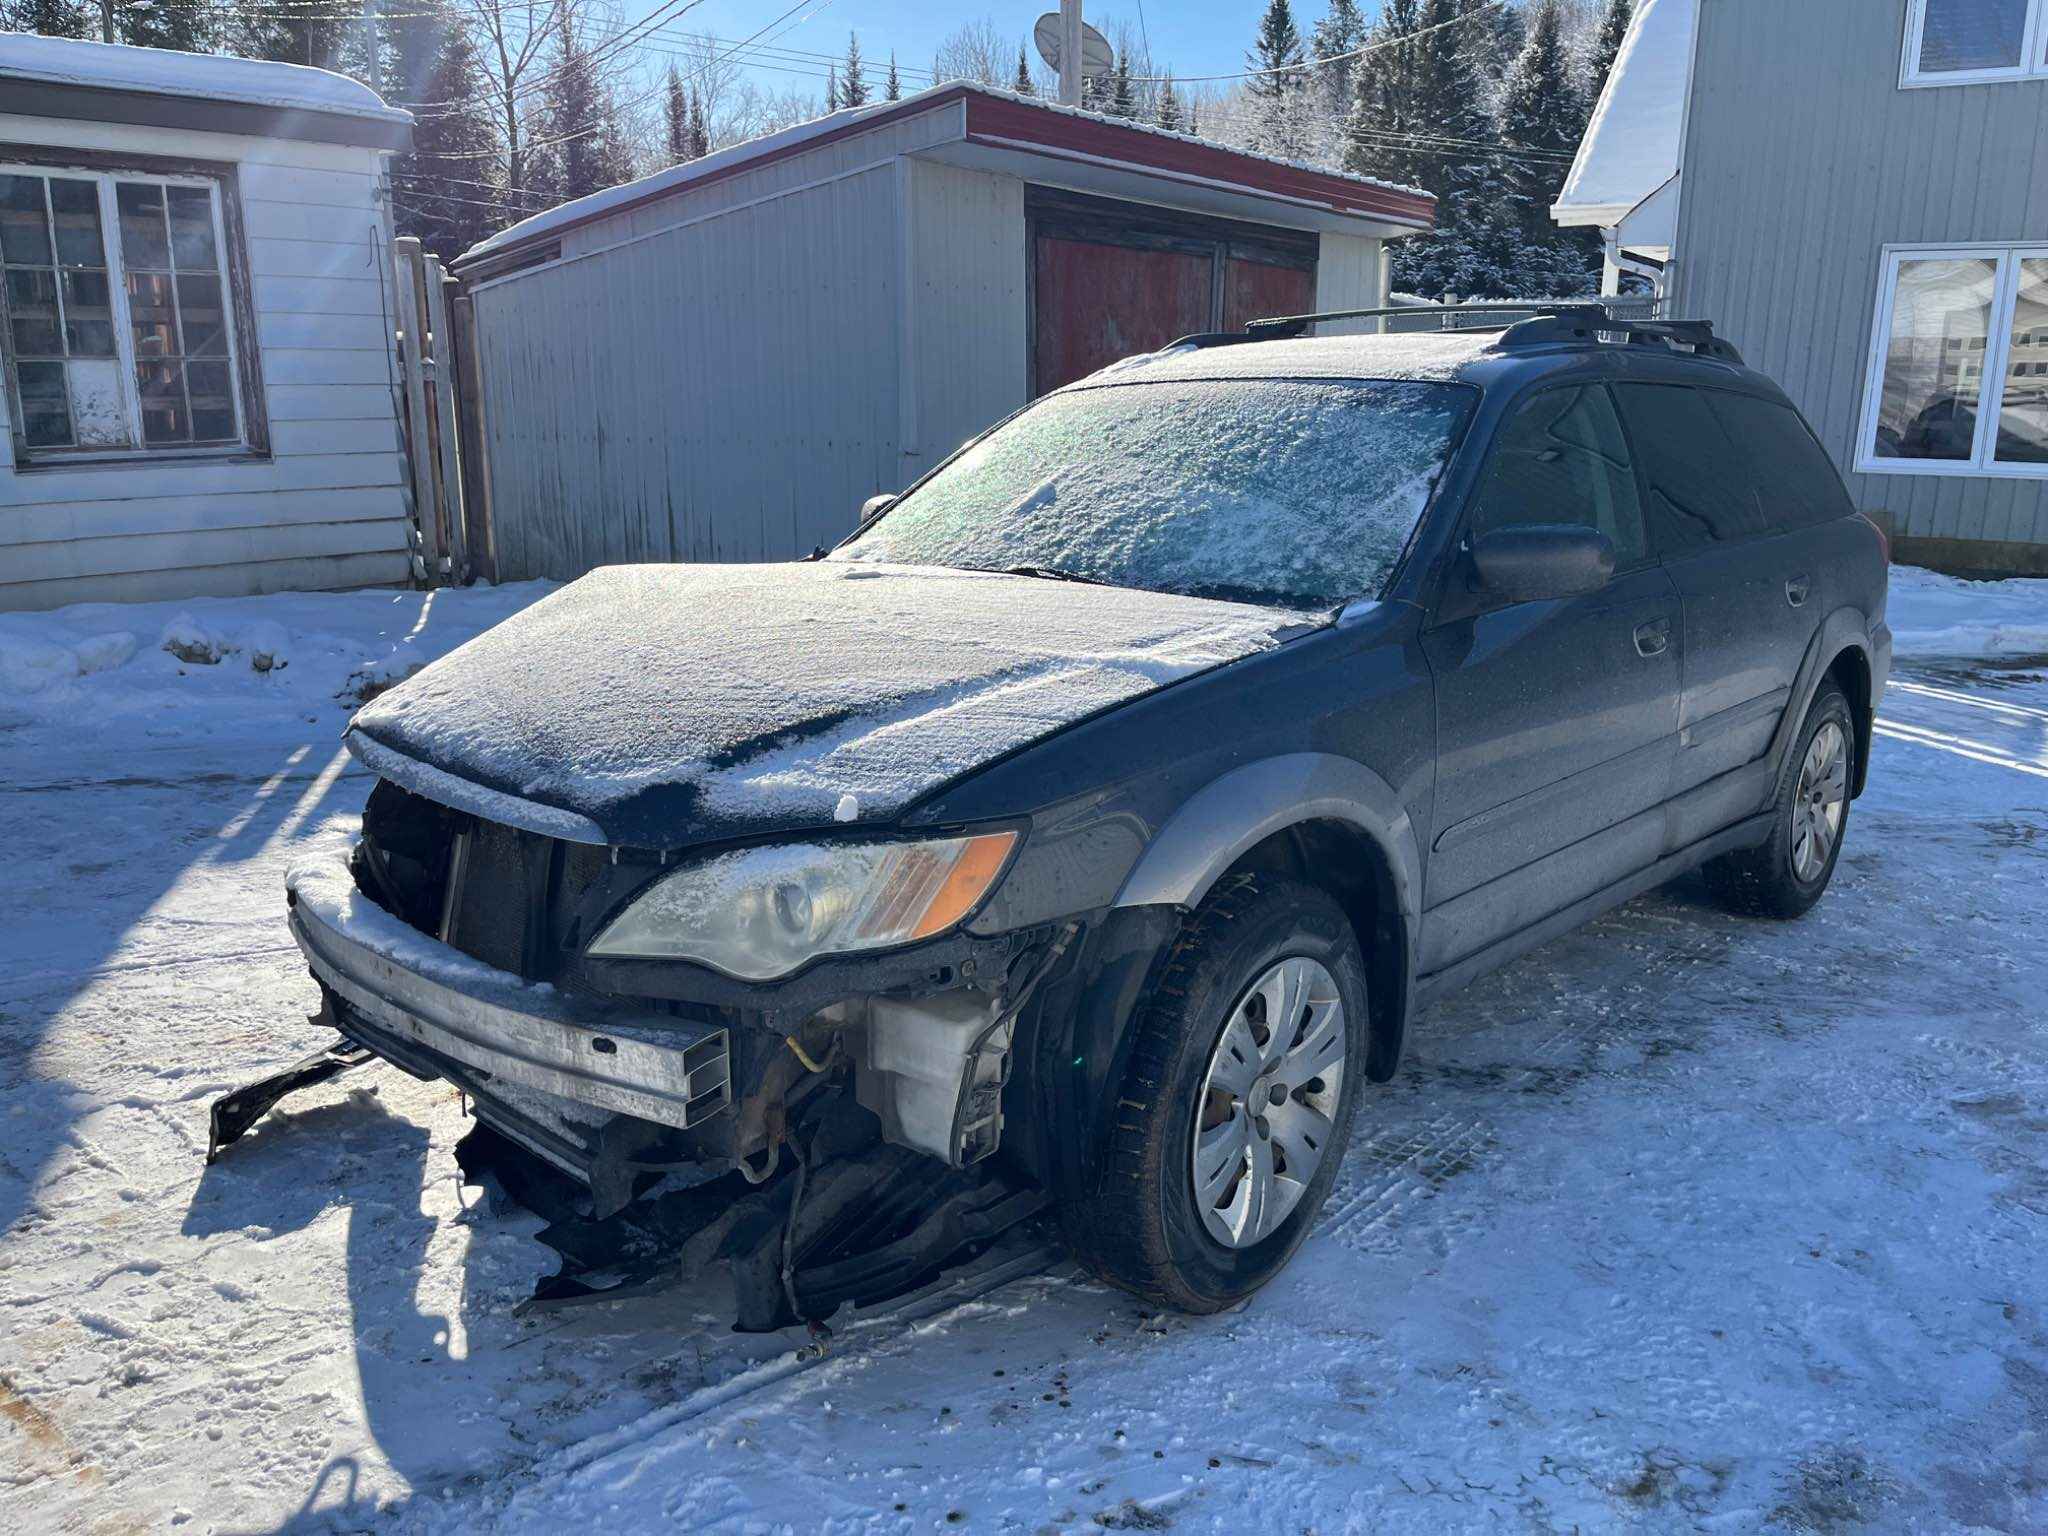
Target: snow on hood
660 705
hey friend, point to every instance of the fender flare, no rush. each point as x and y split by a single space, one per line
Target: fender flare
1847 628
1232 814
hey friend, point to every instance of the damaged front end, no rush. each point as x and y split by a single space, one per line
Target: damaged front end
829 1134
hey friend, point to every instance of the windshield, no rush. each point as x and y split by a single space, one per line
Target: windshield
1300 494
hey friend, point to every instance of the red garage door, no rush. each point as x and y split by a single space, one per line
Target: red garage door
1112 279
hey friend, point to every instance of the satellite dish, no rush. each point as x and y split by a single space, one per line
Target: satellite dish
1097 57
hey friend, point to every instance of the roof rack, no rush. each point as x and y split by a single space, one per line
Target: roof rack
1547 323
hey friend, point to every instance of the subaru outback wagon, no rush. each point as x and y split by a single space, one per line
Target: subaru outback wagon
1081 833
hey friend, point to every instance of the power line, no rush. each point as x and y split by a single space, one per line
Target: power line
1335 58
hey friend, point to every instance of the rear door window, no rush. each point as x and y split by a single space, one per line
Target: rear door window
1697 475
1562 459
1795 480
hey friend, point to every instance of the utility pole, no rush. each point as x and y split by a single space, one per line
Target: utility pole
1070 53
106 21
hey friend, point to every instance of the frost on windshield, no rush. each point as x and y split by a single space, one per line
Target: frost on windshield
1264 490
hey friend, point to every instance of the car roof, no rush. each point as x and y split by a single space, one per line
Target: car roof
1477 357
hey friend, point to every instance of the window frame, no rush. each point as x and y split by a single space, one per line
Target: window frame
105 168
1982 462
2033 64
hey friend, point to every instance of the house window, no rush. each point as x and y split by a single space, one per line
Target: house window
1958 42
1959 366
119 334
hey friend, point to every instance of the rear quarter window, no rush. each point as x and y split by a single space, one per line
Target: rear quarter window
1700 490
1796 483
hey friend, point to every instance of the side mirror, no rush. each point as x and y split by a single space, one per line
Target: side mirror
875 506
1524 565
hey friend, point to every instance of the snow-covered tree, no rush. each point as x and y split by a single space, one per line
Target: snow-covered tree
1449 103
1341 32
292 34
1022 84
1540 121
1278 85
1169 106
1606 46
853 85
831 87
892 87
1123 99
1378 134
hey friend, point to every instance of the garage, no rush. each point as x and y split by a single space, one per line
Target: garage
724 360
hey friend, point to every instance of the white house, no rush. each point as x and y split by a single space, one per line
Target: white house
195 327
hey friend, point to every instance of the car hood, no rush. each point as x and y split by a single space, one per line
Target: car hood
657 706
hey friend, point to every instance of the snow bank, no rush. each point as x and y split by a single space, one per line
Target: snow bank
230 666
164 72
1935 615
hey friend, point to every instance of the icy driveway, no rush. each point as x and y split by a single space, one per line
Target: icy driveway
1681 1221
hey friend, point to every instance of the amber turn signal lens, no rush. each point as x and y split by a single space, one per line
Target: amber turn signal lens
974 872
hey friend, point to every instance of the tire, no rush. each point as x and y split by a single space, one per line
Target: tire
1143 1227
1783 877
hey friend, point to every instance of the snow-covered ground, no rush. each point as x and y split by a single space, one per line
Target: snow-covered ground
1681 1222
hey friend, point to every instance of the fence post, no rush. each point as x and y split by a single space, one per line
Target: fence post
441 378
480 532
420 457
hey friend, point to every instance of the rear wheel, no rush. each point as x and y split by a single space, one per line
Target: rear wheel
1787 873
1237 1102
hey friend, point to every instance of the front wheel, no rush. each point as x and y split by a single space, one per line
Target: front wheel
1786 874
1234 1111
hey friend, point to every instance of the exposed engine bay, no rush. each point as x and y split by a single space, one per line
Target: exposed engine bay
841 1146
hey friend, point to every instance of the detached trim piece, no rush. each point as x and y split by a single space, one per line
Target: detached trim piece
672 1071
479 800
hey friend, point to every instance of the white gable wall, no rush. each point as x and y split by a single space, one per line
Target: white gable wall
326 509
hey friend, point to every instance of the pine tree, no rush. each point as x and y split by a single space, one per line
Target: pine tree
1606 48
52 18
300 34
436 71
831 87
1449 104
1339 33
178 24
1194 119
1123 96
1380 124
853 88
892 88
581 147
676 119
1279 85
700 126
1023 86
1539 124
1169 105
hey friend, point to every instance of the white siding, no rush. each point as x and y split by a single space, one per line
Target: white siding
965 311
327 508
1348 277
725 388
1785 214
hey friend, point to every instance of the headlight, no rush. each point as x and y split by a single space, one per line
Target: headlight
763 912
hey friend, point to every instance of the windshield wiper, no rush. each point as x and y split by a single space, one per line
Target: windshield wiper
1052 573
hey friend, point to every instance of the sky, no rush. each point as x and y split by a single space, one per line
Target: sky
1192 37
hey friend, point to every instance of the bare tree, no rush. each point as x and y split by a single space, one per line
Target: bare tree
975 50
518 40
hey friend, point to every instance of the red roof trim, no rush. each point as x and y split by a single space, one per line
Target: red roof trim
1014 124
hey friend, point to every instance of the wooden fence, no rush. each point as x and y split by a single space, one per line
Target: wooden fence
439 410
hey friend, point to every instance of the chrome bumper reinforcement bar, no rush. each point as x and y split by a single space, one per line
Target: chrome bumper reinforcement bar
673 1071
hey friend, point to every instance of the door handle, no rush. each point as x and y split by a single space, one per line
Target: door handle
1653 638
1796 590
